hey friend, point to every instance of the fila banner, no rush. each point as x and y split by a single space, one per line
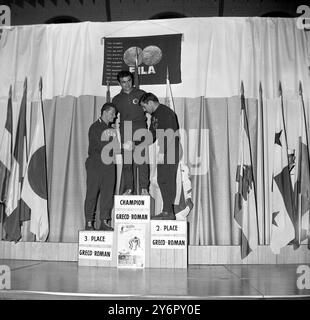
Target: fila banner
151 54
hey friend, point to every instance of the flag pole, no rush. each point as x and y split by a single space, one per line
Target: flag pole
108 94
138 182
1 220
136 75
297 192
308 156
2 203
137 86
168 90
304 116
283 120
44 133
250 148
26 138
263 160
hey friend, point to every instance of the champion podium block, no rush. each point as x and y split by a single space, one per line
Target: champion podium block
132 219
137 241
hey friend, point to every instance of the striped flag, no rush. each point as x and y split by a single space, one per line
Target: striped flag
183 203
34 191
16 210
245 212
282 228
6 148
302 182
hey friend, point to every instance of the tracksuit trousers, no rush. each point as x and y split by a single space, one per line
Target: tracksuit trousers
101 179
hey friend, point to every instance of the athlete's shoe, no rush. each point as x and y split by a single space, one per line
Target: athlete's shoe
128 192
144 192
104 226
164 216
89 225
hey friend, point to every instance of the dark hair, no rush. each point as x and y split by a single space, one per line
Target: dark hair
123 74
106 106
148 96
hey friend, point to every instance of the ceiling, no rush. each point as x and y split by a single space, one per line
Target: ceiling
35 3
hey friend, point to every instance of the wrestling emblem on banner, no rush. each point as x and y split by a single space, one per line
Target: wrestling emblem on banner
152 55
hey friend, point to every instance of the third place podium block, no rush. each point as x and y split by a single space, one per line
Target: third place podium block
96 248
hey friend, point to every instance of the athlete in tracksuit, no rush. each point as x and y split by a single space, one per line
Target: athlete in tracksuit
170 151
132 115
101 175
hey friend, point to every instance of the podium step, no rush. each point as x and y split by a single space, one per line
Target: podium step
137 241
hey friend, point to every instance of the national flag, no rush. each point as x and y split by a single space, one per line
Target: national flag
16 210
245 211
34 191
183 199
170 103
282 228
6 148
302 182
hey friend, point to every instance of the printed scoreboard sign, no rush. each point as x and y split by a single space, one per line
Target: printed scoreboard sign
168 234
95 245
152 55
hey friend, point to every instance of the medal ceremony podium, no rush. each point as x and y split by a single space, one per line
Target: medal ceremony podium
137 241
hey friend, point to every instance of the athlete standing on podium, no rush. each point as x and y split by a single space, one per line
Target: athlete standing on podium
164 128
101 175
132 118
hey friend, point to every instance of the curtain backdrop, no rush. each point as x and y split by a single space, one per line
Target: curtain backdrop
211 221
216 54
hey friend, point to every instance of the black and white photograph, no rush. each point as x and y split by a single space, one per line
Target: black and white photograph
155 154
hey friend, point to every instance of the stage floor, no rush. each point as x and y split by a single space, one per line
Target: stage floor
66 280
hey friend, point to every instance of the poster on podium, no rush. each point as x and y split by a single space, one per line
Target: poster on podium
131 245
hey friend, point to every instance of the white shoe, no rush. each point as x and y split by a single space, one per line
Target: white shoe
181 216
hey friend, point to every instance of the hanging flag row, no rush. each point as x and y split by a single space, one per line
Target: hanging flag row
290 218
23 176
